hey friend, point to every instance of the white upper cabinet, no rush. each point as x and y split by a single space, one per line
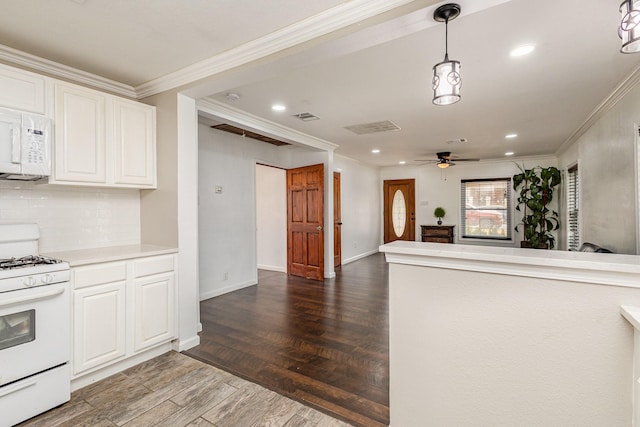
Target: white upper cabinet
103 140
22 90
80 150
134 143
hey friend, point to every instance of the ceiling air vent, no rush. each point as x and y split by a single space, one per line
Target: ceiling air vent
458 141
365 128
306 117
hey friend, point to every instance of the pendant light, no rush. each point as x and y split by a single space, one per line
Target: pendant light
446 74
629 30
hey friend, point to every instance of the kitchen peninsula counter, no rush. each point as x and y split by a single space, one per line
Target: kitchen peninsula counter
506 336
80 257
606 269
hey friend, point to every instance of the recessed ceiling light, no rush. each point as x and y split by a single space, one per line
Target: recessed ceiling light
522 50
511 136
278 107
509 153
375 151
402 162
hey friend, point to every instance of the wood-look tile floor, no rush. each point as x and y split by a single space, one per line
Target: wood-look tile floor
175 390
325 344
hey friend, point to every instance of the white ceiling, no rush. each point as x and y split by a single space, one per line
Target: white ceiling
377 72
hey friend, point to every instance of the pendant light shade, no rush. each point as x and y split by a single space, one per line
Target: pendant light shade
629 30
446 74
446 82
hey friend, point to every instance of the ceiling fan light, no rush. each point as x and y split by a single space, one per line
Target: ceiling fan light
443 164
629 29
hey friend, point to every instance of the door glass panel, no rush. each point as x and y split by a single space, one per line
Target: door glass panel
17 328
399 213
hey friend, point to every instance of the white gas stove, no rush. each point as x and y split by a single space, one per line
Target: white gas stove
34 326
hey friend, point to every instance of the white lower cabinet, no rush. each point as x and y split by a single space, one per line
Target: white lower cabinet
100 325
153 301
121 309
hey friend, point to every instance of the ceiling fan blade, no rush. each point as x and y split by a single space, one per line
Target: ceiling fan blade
465 160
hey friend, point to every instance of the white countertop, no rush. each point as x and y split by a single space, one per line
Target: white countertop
111 253
588 267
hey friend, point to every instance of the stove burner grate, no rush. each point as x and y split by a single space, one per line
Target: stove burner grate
26 261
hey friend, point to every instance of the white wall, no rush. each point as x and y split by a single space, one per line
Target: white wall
484 349
606 169
360 208
227 220
271 218
441 187
73 218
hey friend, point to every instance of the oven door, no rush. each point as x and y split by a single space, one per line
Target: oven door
34 330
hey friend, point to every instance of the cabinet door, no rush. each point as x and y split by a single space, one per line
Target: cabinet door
154 310
22 90
134 143
99 325
79 153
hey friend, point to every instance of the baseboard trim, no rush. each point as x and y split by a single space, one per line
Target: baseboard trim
217 292
360 256
272 268
182 345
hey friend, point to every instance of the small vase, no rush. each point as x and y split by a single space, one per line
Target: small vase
439 221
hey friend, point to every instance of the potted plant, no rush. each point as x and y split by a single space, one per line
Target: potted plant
439 213
534 188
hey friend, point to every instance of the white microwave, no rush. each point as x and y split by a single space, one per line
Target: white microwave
25 145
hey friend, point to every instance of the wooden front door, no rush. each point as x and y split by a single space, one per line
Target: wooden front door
337 222
399 210
305 222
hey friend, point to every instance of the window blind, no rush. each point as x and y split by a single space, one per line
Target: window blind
573 209
486 208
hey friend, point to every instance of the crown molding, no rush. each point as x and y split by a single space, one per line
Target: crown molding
260 125
55 69
323 23
318 25
609 102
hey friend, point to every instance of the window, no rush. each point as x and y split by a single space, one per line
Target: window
573 207
486 208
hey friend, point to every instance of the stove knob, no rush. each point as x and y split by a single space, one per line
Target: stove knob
46 279
29 281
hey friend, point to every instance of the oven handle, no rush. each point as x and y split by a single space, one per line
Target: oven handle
17 300
18 387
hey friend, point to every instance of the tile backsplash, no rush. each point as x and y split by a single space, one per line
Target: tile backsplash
73 218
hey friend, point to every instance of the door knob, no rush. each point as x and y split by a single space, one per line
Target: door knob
319 228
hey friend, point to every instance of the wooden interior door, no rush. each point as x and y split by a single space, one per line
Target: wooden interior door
399 210
305 222
337 222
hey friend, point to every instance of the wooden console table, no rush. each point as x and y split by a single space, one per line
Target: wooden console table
437 233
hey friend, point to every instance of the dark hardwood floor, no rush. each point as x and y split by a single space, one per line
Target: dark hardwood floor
325 344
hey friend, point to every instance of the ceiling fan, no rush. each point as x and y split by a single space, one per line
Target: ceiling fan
445 159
